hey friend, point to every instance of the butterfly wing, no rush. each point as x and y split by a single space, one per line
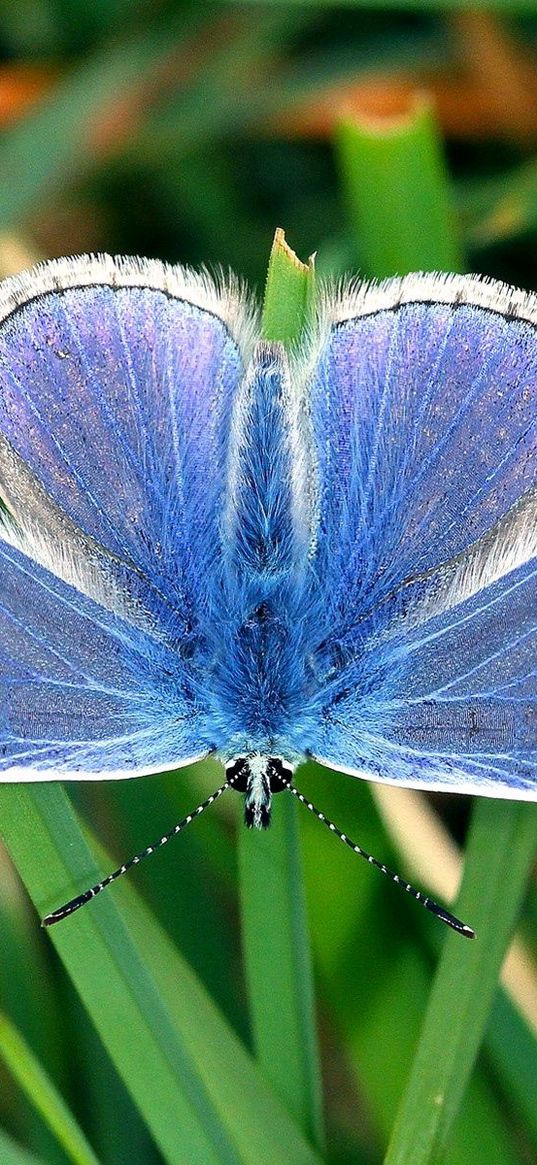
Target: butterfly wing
85 694
423 406
116 378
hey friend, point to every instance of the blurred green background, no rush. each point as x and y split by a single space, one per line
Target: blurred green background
189 132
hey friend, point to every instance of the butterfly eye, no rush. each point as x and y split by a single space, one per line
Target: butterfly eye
237 774
280 775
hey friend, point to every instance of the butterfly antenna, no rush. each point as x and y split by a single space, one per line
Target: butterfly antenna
419 896
81 899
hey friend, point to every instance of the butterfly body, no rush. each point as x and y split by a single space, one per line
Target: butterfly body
261 614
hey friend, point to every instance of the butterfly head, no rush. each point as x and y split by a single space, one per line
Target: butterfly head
258 777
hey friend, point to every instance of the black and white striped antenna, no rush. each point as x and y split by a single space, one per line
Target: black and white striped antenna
81 899
418 895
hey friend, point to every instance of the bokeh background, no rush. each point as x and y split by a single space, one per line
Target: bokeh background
190 131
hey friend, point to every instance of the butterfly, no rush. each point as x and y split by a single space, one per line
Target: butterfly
214 546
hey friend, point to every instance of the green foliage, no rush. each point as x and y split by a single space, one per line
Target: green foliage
185 1070
13 1154
503 841
28 1072
289 294
400 224
175 1018
278 965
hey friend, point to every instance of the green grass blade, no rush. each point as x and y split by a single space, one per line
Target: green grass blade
503 836
289 292
500 853
273 914
278 964
38 1086
192 1102
265 1133
13 1154
394 181
511 1046
40 829
203 864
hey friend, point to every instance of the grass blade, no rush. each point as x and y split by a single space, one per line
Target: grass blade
13 1154
265 1133
278 964
289 292
502 842
274 928
394 180
38 1086
39 828
196 1112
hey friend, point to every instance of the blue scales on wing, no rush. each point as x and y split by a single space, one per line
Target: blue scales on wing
423 406
115 386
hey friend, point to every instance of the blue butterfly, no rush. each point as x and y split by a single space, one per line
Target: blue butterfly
214 546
